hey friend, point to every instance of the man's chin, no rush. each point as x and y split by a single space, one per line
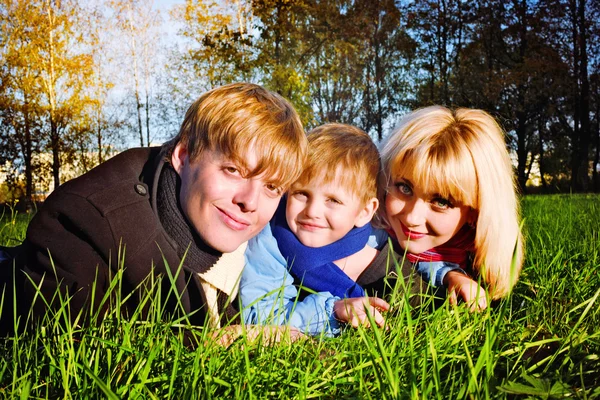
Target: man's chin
228 247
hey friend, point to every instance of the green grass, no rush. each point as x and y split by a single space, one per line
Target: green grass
542 342
12 226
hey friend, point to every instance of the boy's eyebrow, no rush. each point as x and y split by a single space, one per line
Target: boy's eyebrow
332 195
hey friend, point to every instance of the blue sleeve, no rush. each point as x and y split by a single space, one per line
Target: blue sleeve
269 297
378 239
435 271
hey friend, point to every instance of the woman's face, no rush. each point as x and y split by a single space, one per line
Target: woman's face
422 220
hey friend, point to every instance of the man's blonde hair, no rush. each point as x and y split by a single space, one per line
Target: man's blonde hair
241 117
333 147
461 155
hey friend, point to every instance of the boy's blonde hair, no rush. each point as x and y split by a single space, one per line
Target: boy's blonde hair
241 117
333 147
461 155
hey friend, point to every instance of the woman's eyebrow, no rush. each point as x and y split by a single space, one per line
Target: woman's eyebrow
401 178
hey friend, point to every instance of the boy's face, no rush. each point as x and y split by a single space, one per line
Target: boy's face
320 214
225 208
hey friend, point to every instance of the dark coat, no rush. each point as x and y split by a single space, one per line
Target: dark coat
89 229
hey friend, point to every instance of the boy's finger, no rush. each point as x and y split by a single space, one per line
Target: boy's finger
481 303
452 298
379 320
379 304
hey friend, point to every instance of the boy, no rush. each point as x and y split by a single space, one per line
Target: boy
321 232
198 198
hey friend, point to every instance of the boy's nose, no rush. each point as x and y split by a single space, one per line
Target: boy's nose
312 209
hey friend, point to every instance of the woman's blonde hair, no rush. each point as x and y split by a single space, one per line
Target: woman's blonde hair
461 155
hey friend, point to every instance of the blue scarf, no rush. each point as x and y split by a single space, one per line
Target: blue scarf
313 267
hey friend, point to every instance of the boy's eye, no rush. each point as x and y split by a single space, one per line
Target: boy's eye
441 203
334 200
300 195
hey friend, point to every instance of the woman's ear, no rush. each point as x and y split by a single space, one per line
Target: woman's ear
472 217
366 214
179 157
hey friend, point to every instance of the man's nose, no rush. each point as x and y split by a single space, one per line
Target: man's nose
248 194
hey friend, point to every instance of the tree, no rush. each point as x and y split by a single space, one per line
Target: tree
20 129
137 21
388 51
64 70
441 27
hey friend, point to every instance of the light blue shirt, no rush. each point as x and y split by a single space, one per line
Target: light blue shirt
269 296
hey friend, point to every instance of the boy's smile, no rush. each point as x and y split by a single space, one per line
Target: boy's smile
320 214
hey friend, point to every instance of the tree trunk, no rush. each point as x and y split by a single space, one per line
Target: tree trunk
541 161
575 164
584 133
378 75
55 145
521 105
28 155
147 109
596 164
522 152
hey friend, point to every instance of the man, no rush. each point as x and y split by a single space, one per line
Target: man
183 212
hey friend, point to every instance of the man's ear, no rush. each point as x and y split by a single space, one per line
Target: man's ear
179 157
366 214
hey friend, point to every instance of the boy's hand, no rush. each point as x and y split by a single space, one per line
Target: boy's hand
353 311
462 286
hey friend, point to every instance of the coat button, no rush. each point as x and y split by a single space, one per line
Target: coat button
141 189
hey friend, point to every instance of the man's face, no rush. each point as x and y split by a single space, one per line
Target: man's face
224 206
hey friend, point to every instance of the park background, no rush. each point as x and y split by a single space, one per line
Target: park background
83 80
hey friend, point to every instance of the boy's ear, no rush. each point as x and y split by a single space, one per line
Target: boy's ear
179 157
366 214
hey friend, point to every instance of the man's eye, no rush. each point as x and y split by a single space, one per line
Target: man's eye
231 169
271 187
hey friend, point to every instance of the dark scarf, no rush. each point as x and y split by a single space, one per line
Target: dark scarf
199 257
313 267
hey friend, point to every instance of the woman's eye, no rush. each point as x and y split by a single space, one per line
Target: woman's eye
403 188
442 204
